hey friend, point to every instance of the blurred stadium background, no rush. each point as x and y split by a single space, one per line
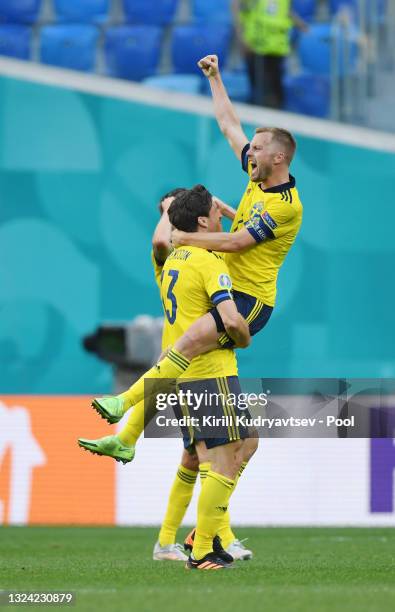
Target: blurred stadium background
84 159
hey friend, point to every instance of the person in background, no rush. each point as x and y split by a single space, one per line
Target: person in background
263 29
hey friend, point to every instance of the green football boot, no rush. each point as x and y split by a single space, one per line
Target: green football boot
109 446
110 408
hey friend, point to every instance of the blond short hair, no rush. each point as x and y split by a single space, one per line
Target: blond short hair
283 137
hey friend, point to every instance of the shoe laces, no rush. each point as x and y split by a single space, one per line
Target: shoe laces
179 547
240 543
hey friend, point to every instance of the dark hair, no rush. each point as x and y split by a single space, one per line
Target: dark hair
171 194
188 206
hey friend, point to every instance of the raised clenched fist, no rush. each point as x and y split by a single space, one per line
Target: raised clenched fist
209 65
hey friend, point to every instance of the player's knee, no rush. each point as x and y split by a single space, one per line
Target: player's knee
226 459
190 461
237 458
202 452
239 455
237 447
249 448
189 345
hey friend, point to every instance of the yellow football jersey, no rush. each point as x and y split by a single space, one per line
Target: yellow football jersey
192 281
158 267
273 217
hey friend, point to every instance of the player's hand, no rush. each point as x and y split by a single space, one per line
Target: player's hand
221 205
178 238
165 204
225 210
209 65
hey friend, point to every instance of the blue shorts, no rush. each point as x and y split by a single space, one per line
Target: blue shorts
253 310
218 404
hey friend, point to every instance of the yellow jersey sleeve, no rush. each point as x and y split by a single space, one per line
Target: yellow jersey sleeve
274 221
157 268
217 281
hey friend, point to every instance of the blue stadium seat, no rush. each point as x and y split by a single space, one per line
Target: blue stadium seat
372 7
209 11
19 11
191 42
315 49
382 8
133 52
185 83
15 41
150 12
336 5
305 8
308 94
88 10
237 84
69 46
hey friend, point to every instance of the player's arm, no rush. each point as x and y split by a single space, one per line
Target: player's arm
226 210
161 245
218 284
227 118
215 241
272 223
235 325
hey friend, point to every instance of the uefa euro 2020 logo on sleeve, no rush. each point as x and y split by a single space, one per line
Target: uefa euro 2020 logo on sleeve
225 281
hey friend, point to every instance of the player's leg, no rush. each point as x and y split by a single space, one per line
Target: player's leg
134 426
229 541
121 446
213 500
228 448
166 548
204 467
203 335
109 446
195 454
200 338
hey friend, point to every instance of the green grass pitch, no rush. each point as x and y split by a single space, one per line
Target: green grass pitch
299 569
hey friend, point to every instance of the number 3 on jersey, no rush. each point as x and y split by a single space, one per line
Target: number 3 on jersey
170 315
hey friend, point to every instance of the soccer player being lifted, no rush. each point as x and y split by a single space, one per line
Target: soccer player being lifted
192 281
263 230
